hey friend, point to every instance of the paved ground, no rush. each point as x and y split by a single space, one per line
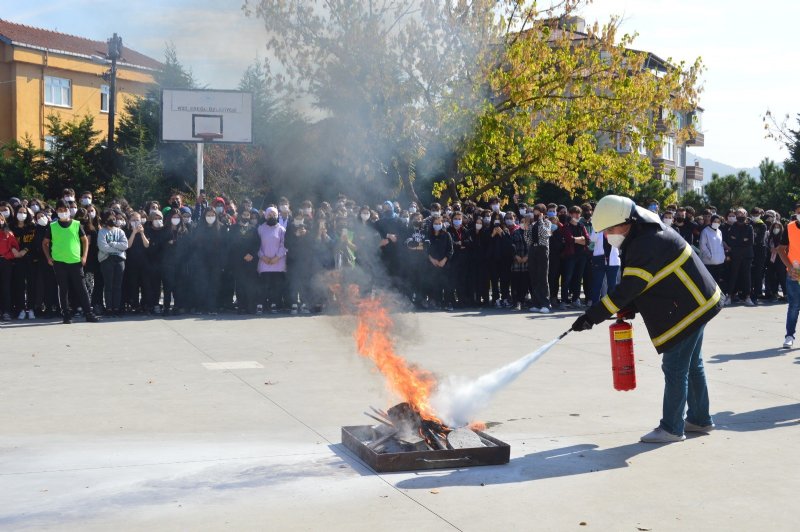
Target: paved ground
128 425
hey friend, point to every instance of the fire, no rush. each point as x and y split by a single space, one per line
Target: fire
373 337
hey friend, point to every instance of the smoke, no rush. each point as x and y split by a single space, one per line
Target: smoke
458 400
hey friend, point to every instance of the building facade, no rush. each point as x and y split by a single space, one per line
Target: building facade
45 73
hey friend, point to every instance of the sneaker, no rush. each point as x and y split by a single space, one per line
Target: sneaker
726 300
749 303
273 308
304 309
788 342
659 435
498 303
91 318
21 315
518 306
534 309
449 308
577 304
294 309
6 316
544 310
31 315
67 319
259 309
691 427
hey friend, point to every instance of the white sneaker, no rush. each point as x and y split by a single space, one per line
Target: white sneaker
691 427
659 435
544 310
788 341
31 315
498 303
304 309
21 315
273 308
294 309
535 309
726 301
749 303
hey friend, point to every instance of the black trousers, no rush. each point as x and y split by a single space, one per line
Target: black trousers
520 282
152 286
757 271
113 268
273 288
740 279
6 273
717 271
500 277
246 278
553 274
538 272
71 276
23 281
134 284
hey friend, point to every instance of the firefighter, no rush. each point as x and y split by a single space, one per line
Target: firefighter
667 282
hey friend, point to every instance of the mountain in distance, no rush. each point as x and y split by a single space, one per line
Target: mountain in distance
713 167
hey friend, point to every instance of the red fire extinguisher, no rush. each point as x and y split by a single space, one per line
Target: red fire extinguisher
622 363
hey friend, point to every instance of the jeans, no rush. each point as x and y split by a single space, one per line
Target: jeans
793 295
600 272
685 383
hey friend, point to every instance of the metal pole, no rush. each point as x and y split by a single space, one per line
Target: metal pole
114 53
200 174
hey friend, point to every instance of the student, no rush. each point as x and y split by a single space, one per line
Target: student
712 252
243 251
70 248
775 275
499 255
23 279
537 237
9 250
440 251
740 240
94 276
175 254
272 259
575 255
209 252
520 284
605 266
158 237
112 244
460 268
135 263
300 250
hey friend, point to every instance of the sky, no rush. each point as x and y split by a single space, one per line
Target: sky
749 49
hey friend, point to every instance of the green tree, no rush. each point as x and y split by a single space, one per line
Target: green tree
695 200
75 158
21 165
730 191
775 189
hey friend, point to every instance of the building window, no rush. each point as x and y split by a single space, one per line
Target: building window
57 91
49 142
668 148
104 98
697 120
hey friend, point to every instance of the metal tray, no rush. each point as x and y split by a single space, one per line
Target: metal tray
356 437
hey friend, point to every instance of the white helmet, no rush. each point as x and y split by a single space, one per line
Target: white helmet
613 210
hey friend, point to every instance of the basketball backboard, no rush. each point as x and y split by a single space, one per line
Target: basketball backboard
206 116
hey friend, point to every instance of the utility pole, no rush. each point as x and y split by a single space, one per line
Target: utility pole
114 53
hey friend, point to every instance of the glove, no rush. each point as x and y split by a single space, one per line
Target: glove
626 314
582 324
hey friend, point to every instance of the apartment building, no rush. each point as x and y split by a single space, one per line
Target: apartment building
45 73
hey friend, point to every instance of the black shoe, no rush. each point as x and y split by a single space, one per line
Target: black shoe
67 320
91 318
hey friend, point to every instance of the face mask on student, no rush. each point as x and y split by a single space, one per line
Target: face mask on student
92 215
158 224
365 216
487 219
5 213
121 223
21 216
550 214
412 210
73 211
553 228
403 220
42 221
715 225
211 219
86 201
35 208
510 222
667 221
437 227
270 221
776 231
69 199
457 223
63 216
218 209
732 219
496 207
175 221
523 212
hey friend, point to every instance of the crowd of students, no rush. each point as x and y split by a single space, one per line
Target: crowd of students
221 255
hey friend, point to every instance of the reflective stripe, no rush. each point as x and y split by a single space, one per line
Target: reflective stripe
638 272
688 320
611 307
671 267
691 286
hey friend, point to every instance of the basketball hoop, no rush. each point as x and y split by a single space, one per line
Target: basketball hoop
208 137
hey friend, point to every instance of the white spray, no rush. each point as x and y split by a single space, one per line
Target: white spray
457 400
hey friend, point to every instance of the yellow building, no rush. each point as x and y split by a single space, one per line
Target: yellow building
45 72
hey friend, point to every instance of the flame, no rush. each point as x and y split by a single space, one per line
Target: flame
373 337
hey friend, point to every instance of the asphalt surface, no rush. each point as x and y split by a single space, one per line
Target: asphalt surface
234 423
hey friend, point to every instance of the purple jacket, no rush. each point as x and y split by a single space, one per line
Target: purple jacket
271 246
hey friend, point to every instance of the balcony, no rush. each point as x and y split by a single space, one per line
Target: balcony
694 172
696 138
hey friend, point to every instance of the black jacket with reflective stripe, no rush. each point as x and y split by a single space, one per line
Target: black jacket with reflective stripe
664 280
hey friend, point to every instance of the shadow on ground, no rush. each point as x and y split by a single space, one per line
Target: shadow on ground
750 355
761 419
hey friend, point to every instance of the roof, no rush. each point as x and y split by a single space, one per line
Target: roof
60 43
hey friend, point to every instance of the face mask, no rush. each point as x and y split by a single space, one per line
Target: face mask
218 209
5 213
298 222
446 225
756 218
412 210
307 211
732 219
768 219
550 214
158 224
436 213
404 220
69 199
86 201
42 221
667 221
175 221
653 207
615 240
553 228
496 207
21 216
211 219
365 216
63 216
575 221
523 212
284 208
741 219
486 219
563 218
776 231
151 211
449 212
478 226
437 227
715 226
457 223
121 223
35 208
73 211
270 221
510 222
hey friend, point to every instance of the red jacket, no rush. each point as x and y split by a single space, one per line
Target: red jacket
8 242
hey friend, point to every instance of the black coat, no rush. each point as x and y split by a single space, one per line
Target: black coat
664 280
